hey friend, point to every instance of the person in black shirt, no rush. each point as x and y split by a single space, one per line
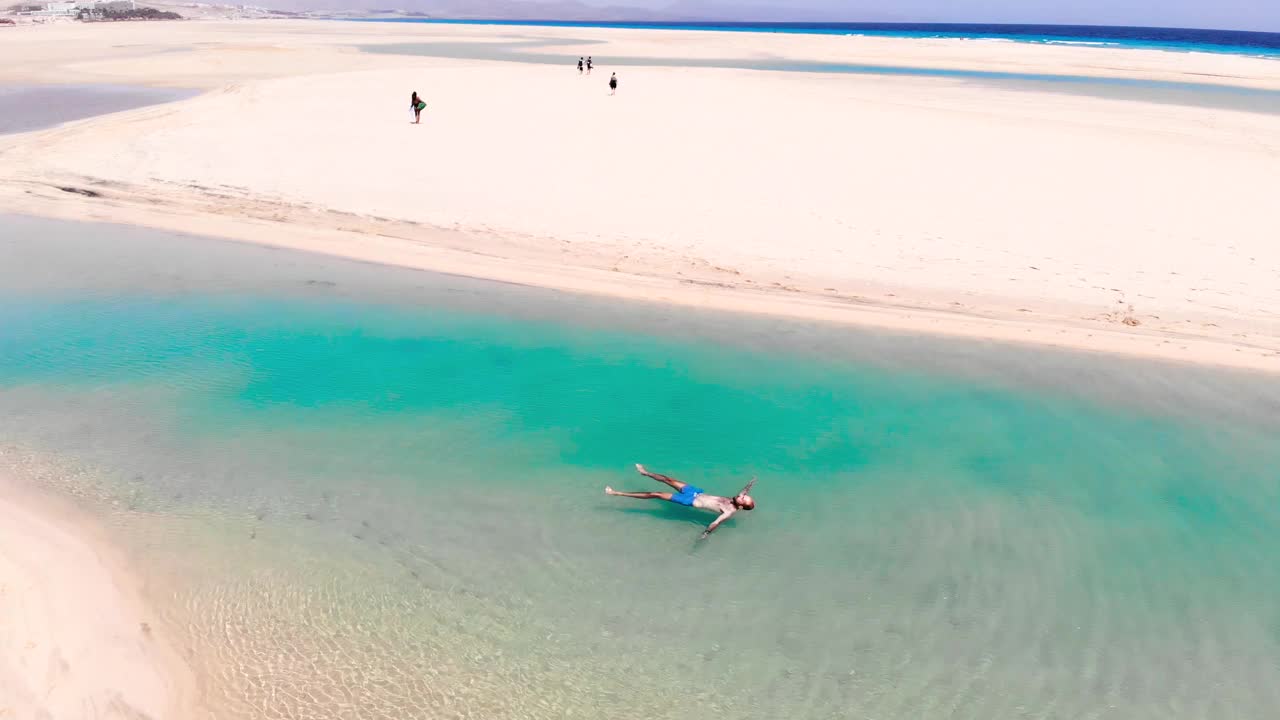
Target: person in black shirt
416 104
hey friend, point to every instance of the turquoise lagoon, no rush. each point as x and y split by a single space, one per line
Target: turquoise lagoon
365 492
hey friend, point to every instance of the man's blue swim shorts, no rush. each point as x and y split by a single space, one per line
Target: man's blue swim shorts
686 495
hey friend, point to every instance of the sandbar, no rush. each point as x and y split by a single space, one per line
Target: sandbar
923 204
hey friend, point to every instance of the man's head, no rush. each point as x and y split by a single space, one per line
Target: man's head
744 502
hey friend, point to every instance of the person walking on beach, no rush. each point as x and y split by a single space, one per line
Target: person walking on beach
579 66
588 65
416 104
613 84
686 494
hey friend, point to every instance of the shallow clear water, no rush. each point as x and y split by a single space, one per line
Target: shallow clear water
24 108
366 492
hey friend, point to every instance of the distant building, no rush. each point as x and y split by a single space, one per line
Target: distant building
106 5
92 10
57 8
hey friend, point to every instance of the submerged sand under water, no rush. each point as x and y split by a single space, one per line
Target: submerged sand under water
364 492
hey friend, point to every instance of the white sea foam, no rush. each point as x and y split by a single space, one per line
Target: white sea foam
1087 43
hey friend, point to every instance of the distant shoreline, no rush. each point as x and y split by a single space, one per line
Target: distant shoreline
1147 38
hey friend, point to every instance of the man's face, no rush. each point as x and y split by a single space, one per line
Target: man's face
745 502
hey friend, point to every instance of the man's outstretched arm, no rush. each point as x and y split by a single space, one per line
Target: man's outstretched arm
716 523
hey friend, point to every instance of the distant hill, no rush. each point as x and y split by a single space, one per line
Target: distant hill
676 10
476 9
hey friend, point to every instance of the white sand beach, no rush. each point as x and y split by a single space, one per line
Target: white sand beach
937 204
75 639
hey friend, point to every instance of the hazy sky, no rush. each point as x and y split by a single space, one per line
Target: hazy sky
1261 15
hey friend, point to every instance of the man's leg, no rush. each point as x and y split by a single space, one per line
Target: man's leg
661 478
639 495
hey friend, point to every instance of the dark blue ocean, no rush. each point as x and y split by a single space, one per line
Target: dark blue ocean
1183 39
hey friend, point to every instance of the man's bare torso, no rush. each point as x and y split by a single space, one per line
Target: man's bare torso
714 503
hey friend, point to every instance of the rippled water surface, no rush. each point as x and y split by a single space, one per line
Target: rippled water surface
363 492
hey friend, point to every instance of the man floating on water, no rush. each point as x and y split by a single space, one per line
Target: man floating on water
686 494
